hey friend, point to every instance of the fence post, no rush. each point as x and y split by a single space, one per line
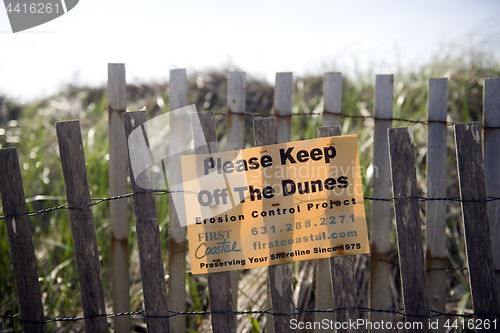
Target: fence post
236 98
342 269
381 210
218 283
148 234
332 99
82 225
118 212
492 163
475 218
325 300
20 242
280 276
283 91
283 105
332 96
435 235
176 233
408 226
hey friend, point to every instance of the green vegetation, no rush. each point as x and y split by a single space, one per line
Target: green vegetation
31 129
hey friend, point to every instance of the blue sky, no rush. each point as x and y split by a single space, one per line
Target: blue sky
259 37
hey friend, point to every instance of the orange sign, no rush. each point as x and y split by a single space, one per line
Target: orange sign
274 204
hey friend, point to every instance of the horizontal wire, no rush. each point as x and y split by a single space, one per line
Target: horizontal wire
446 269
345 115
267 311
162 192
457 199
96 202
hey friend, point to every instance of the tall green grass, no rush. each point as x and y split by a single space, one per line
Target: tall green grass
32 132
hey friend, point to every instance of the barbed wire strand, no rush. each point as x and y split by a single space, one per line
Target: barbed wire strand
97 201
298 311
345 115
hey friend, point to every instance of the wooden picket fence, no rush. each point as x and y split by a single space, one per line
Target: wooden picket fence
422 275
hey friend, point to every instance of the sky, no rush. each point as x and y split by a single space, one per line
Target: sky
258 37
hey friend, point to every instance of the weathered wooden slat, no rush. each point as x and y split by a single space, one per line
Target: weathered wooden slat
280 276
283 105
82 225
176 233
408 226
332 96
148 234
344 290
221 298
475 218
381 210
323 298
118 212
20 242
282 111
492 163
327 131
342 269
236 98
435 236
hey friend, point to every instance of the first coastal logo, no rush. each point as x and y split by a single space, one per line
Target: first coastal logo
28 14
